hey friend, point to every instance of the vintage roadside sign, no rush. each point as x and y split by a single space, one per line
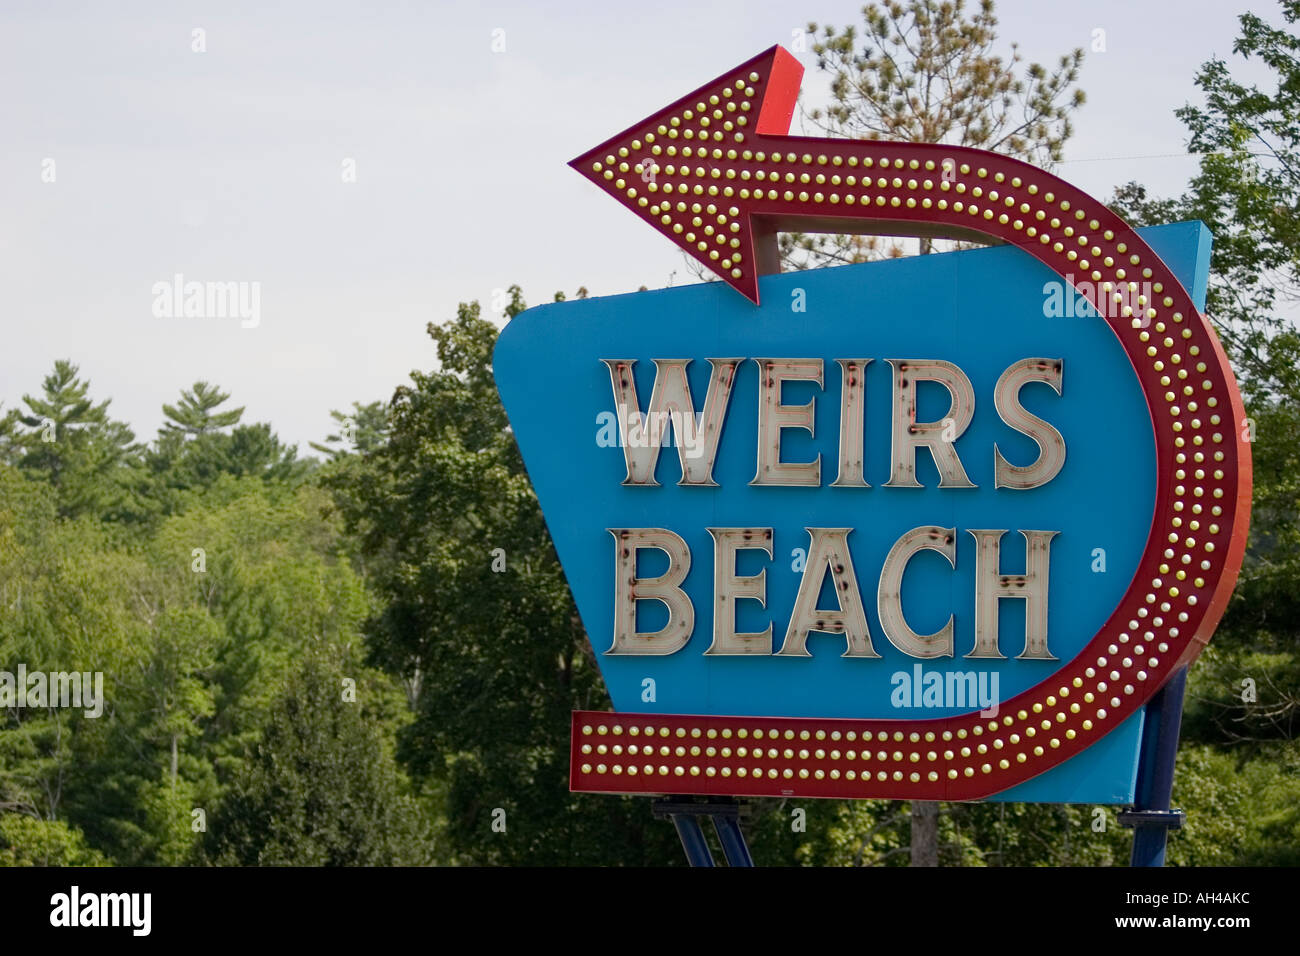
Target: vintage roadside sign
928 528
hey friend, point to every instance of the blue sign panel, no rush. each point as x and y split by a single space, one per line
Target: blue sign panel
566 373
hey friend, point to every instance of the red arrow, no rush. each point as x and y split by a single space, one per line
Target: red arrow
717 174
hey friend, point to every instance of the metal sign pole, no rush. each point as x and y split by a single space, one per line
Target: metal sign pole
1151 817
685 814
733 841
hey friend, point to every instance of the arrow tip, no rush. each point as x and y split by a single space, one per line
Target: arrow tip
667 168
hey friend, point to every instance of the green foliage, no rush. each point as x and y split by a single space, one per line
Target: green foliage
925 71
322 787
877 833
247 450
200 447
494 661
194 618
362 430
195 414
28 841
1247 191
1241 812
89 458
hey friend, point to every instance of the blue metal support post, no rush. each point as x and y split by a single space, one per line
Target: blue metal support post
1151 816
732 840
688 828
685 813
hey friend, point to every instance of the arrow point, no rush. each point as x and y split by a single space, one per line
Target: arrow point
666 168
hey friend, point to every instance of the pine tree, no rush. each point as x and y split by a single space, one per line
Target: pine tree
361 430
925 72
89 458
198 444
195 413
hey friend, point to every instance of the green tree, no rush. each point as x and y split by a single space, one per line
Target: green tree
253 451
322 787
90 459
198 444
10 443
195 414
361 430
28 841
1247 191
196 624
67 591
494 661
926 71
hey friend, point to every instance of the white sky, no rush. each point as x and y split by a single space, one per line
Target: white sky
226 166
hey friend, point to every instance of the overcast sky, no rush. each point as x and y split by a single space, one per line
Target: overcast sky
229 165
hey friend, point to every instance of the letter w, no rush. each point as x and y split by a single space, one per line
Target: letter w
670 403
